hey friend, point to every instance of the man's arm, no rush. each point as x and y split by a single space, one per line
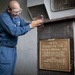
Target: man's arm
14 30
33 24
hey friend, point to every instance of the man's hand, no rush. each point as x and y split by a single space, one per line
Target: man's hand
35 23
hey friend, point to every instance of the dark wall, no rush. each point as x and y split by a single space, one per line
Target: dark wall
57 30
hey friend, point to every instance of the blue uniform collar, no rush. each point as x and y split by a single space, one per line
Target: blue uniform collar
10 15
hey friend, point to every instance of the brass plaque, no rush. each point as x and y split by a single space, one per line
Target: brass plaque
54 54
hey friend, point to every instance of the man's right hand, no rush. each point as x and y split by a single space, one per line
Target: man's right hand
35 23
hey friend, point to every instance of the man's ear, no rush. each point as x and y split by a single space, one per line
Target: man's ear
8 10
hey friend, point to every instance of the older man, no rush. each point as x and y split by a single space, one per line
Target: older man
12 26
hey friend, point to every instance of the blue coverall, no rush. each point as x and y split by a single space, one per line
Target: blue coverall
10 29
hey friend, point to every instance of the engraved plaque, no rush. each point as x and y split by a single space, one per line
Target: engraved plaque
62 4
54 54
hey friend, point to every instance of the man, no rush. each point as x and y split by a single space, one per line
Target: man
12 26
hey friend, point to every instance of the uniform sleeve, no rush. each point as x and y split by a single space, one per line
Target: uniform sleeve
23 23
11 28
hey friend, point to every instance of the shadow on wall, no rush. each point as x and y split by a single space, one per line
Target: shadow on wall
3 5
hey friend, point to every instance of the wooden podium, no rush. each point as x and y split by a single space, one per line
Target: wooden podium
56 47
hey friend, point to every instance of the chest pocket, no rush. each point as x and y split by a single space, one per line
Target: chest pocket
16 21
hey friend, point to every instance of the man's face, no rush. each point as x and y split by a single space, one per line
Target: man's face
15 12
14 8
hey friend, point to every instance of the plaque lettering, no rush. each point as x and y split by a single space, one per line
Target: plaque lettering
55 54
